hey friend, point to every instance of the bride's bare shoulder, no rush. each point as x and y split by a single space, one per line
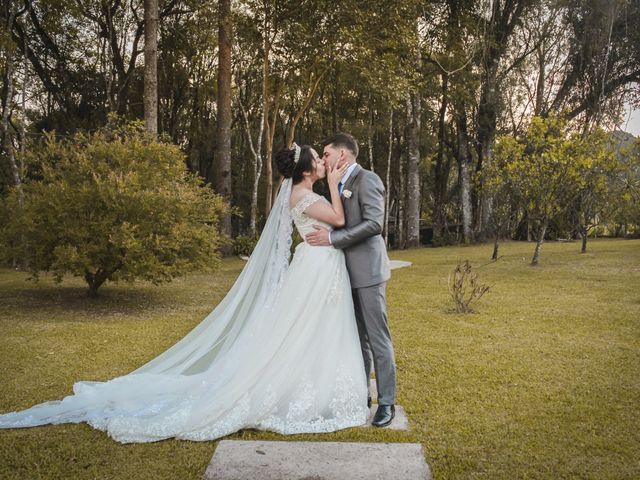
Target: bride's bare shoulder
298 194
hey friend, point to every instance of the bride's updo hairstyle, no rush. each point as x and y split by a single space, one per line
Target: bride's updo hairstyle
289 168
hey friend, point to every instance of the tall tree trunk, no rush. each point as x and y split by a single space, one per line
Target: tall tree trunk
499 29
257 173
270 132
7 144
334 108
370 137
540 83
487 111
413 169
151 65
387 199
256 162
440 179
23 128
269 165
402 191
464 160
269 126
223 130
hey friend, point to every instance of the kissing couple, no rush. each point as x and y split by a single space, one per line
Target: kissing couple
291 346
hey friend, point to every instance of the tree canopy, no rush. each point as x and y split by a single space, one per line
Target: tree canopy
426 87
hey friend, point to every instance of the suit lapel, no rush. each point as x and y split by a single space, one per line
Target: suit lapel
352 177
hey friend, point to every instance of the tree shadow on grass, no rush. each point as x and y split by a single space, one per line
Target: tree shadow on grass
26 299
112 300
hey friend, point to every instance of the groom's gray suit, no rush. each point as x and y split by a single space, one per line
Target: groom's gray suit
368 266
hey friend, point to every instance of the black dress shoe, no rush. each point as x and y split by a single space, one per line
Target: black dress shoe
368 402
384 415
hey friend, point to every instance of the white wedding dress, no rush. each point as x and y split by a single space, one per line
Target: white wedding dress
280 353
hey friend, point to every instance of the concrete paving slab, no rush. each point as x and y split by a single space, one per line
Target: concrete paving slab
266 460
393 264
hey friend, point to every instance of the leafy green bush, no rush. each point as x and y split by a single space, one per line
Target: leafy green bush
113 205
244 244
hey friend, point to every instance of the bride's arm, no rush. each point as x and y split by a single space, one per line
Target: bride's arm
371 200
333 213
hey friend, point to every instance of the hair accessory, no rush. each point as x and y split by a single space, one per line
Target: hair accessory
297 148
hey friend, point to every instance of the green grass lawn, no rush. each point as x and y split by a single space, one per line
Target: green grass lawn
543 382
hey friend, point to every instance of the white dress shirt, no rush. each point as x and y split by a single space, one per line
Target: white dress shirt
346 176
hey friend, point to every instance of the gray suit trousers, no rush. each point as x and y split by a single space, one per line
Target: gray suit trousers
375 339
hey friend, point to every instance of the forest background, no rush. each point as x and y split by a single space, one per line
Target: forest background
433 90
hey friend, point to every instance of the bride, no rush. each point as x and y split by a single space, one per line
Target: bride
280 352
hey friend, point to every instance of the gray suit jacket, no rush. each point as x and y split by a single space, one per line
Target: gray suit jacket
360 238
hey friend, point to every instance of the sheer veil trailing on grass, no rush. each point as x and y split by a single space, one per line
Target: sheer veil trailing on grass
275 354
254 289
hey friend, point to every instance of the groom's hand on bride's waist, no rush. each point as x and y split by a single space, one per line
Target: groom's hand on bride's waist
319 238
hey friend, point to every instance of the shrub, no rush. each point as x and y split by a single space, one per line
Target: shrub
465 288
113 205
244 244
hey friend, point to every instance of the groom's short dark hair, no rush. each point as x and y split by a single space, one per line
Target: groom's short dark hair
343 140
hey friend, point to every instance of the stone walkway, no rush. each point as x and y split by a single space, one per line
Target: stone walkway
272 460
393 264
262 460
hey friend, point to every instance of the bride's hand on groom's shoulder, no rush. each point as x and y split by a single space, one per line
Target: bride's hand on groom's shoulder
319 238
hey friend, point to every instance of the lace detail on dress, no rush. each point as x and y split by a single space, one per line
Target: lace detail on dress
347 408
309 199
301 414
304 223
234 421
335 292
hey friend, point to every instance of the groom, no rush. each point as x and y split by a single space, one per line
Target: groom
362 194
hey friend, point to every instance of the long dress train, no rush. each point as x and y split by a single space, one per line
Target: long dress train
281 353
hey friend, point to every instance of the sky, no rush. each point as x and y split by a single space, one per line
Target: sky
631 122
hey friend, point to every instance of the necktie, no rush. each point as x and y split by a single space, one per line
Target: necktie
339 187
